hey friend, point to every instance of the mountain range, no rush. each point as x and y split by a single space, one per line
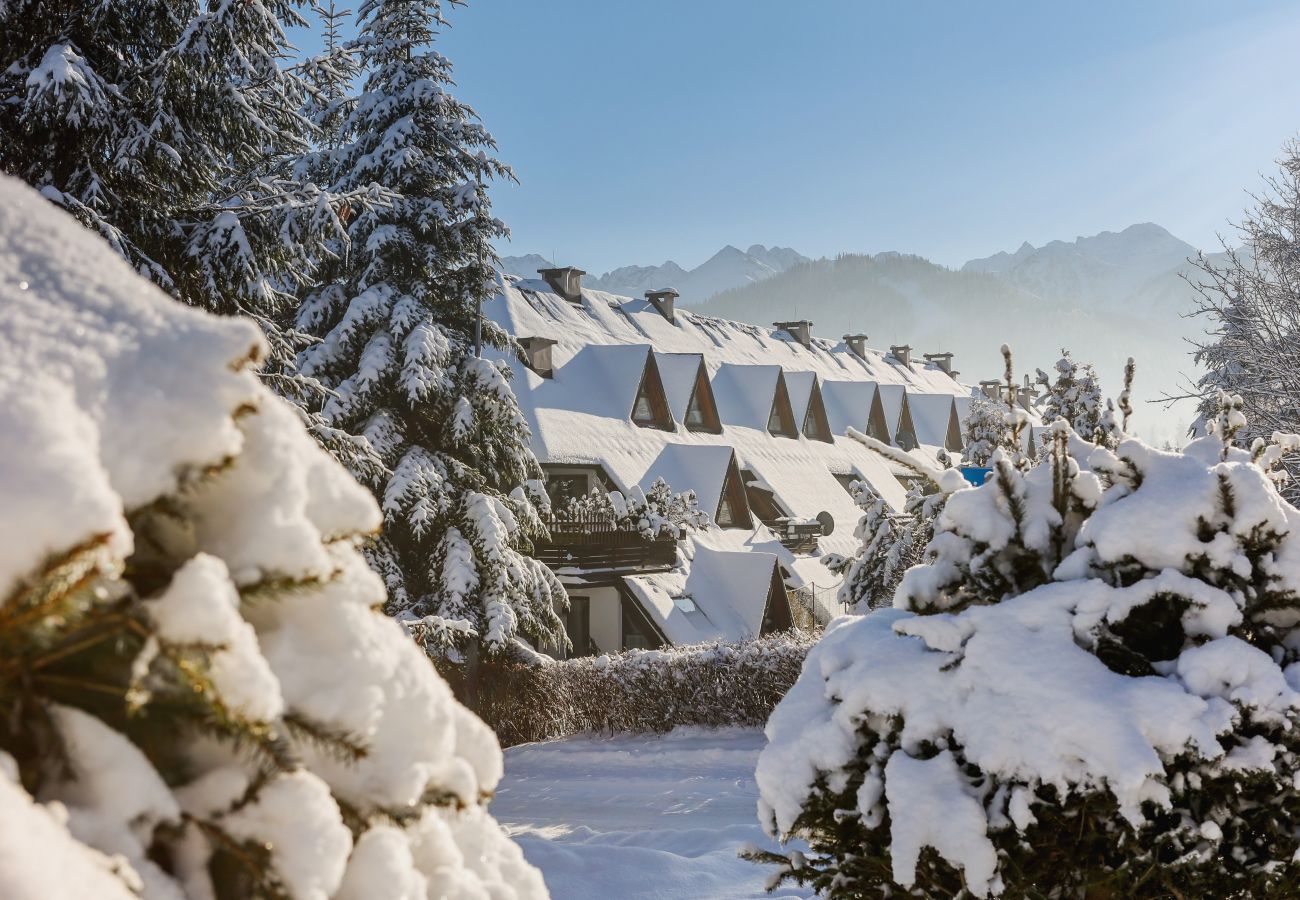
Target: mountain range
729 268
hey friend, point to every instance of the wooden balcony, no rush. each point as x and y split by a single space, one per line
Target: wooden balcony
599 545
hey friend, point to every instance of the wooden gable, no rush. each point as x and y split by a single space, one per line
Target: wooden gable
733 505
776 613
702 409
780 421
952 439
876 426
905 435
650 409
815 424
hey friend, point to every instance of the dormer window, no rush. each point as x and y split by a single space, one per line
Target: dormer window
733 507
650 409
815 424
701 410
780 421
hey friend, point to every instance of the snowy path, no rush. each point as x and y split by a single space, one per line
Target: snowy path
639 817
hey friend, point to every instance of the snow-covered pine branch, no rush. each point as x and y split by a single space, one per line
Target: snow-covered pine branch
199 696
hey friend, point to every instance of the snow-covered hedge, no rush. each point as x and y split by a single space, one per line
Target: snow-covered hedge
635 691
1090 690
198 695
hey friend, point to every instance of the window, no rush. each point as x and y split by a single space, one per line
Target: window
638 634
642 414
694 416
562 487
847 481
577 622
726 517
761 501
774 423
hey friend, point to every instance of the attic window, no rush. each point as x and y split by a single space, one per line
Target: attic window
761 500
733 507
701 411
650 409
780 421
906 436
876 426
815 425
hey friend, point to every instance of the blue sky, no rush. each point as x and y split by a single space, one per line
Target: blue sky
644 131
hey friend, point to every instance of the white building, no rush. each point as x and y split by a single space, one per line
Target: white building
755 421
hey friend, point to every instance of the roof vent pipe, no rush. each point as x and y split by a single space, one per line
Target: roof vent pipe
566 281
857 343
801 331
663 300
903 354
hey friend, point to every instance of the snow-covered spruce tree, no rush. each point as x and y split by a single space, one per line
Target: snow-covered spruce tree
1075 396
874 571
1251 301
396 317
986 429
198 695
1088 692
165 128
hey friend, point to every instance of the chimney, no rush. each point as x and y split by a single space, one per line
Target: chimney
537 354
567 282
663 300
903 354
1026 397
943 361
801 331
857 343
992 389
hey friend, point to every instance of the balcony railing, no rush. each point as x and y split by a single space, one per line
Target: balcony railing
593 542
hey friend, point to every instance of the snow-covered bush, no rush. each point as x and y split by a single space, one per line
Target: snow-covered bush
200 696
659 513
1089 690
712 685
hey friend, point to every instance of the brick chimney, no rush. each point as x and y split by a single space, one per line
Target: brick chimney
566 281
903 354
537 354
857 343
664 300
801 330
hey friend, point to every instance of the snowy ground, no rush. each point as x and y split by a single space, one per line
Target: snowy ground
639 817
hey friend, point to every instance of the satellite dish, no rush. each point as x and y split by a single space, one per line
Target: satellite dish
826 521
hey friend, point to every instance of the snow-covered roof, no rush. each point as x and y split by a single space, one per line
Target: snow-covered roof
678 371
934 415
719 595
582 415
692 467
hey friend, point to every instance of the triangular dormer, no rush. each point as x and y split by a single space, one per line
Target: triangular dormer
733 505
876 426
780 421
952 439
776 611
702 409
650 409
905 436
815 424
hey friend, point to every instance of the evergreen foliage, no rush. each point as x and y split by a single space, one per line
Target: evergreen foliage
659 512
1088 691
199 697
168 128
986 430
1251 304
1075 396
395 315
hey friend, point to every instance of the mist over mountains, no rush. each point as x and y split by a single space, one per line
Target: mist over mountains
1105 297
729 268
